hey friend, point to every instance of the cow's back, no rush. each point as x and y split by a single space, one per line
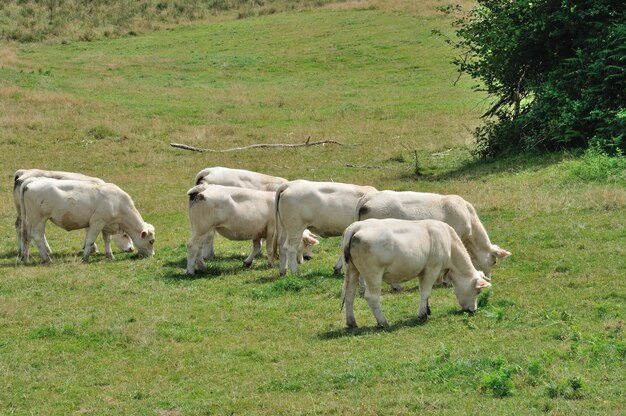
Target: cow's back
327 208
451 209
399 249
238 178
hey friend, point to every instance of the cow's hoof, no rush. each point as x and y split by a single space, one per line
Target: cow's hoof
190 272
351 325
337 272
247 264
422 318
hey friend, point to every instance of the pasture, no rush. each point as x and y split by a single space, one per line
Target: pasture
129 336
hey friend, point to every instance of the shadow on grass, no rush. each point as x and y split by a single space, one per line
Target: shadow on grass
215 267
66 258
477 168
357 332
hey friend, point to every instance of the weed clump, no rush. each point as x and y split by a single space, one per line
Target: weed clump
570 388
101 133
498 382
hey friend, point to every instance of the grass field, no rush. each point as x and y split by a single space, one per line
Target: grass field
129 336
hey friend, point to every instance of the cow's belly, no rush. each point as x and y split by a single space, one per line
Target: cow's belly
69 220
240 234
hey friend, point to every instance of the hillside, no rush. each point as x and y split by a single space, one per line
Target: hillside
129 336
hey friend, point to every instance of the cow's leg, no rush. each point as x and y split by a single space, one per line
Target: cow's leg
25 237
372 296
18 234
107 245
208 250
427 280
338 266
291 249
256 249
37 233
195 247
91 234
269 246
349 289
282 256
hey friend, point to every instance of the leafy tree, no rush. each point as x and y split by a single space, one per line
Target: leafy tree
556 68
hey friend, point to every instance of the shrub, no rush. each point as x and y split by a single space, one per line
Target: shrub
555 69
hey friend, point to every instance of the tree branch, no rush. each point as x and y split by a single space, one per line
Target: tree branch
257 146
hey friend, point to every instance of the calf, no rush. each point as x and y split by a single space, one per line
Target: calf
326 208
394 251
122 241
451 209
237 214
71 205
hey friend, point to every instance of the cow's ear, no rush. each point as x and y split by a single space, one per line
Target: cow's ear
482 284
499 252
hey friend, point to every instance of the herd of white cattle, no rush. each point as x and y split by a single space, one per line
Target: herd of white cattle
387 236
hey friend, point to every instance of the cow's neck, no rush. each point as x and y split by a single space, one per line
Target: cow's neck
133 224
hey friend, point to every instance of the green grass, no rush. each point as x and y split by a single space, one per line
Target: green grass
132 336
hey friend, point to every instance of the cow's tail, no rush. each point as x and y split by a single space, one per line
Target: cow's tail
194 193
278 225
361 209
346 243
24 232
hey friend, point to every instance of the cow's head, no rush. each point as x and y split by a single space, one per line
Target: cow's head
467 290
145 245
485 259
123 242
308 241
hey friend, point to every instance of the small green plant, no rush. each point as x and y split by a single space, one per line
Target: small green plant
444 353
596 165
417 169
102 132
498 382
570 388
483 298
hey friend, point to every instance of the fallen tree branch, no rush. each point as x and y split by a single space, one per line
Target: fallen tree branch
257 146
351 165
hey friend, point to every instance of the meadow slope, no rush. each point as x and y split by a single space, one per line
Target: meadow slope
128 336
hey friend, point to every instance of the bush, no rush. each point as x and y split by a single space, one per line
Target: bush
555 69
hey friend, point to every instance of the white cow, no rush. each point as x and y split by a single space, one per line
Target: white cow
326 208
394 251
242 179
74 204
238 177
451 209
122 241
235 213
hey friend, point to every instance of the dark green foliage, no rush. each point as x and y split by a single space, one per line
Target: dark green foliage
556 68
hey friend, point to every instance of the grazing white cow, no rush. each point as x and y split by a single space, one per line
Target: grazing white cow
237 214
326 208
395 251
451 209
74 204
242 179
122 241
238 177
